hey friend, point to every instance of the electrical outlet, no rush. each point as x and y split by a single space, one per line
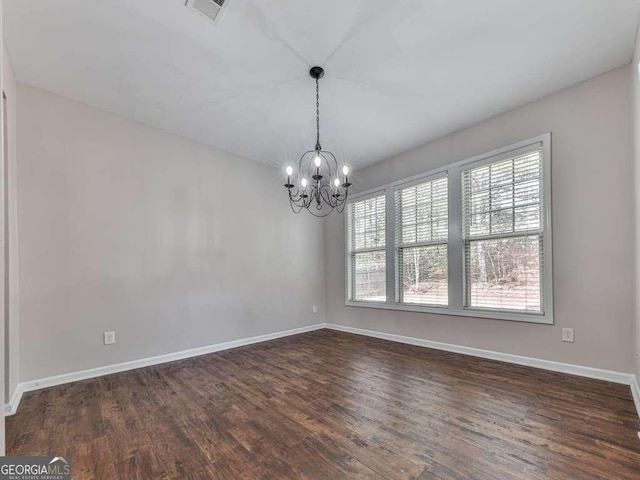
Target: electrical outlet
109 338
568 335
314 309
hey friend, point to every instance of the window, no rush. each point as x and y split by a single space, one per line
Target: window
422 230
503 234
471 239
367 250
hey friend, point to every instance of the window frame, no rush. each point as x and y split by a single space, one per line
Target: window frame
454 172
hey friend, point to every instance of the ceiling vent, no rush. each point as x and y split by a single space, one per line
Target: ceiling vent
211 9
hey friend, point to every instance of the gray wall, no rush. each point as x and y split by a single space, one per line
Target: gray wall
592 193
11 269
2 266
172 244
635 78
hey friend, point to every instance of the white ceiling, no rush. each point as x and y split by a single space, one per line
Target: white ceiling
399 72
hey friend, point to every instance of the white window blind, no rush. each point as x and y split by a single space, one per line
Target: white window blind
422 231
503 234
366 222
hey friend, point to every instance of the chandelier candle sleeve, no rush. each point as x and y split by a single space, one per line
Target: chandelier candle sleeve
289 185
325 194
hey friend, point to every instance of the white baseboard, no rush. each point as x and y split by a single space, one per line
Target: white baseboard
12 407
23 387
607 375
635 392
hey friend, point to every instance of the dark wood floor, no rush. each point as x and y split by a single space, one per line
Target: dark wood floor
328 405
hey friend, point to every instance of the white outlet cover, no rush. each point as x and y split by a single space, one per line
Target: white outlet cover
314 309
109 338
568 335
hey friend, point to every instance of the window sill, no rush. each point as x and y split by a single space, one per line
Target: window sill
546 319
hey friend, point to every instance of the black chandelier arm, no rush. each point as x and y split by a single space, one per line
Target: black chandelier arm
309 167
340 199
303 201
322 213
302 158
343 201
326 194
295 208
297 191
300 200
312 195
322 192
294 196
300 193
295 202
335 161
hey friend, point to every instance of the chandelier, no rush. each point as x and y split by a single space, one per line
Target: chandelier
319 188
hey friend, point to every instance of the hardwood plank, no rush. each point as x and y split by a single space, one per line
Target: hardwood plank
326 405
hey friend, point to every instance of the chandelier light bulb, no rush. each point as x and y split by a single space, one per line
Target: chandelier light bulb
317 161
336 182
345 170
304 182
289 170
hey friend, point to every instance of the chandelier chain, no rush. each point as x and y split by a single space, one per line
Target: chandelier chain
317 114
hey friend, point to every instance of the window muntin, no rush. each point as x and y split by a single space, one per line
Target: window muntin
422 231
367 250
504 234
